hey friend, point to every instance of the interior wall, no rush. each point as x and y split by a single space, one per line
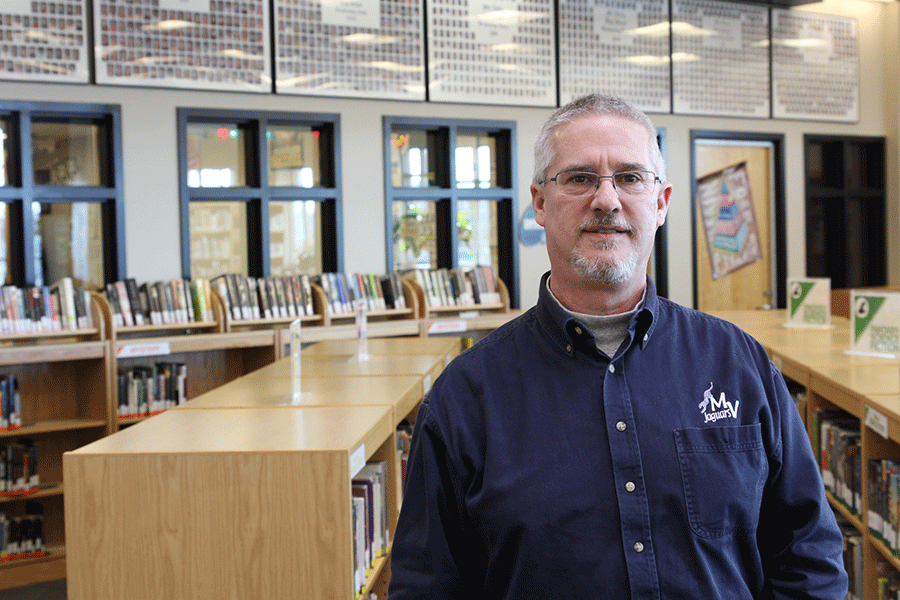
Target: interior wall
151 169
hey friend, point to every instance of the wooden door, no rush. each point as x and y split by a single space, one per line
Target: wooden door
734 254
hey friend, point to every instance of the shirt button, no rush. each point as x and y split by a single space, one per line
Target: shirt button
621 425
646 337
612 368
638 547
578 330
629 487
568 347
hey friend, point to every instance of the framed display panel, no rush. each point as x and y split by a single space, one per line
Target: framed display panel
815 66
492 52
617 47
196 44
44 41
353 48
720 59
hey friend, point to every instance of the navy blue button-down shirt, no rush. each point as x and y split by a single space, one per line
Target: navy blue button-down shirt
680 469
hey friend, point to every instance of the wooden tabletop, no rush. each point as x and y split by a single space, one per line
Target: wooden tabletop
400 392
448 346
349 366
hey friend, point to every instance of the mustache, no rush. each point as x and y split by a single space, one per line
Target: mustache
605 219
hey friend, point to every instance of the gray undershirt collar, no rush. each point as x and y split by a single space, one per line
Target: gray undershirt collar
609 331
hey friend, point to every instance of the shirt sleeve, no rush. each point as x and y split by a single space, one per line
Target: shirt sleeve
428 540
800 543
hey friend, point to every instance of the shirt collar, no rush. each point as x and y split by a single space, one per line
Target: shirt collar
567 332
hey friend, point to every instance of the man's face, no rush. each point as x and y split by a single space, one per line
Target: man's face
606 236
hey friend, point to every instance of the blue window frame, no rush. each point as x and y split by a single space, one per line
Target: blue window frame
61 193
259 193
451 199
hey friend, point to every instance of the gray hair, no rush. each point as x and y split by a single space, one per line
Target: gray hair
600 104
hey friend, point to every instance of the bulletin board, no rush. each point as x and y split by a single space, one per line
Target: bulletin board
492 52
618 47
197 44
720 59
352 48
815 66
44 40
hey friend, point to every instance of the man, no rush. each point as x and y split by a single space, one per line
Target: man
609 443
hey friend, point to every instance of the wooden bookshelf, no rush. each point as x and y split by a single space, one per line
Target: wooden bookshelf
212 359
248 447
62 380
261 513
833 379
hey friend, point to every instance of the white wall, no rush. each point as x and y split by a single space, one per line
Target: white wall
151 175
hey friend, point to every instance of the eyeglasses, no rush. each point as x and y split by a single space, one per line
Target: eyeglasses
582 183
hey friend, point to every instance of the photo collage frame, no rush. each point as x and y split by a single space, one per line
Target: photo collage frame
708 57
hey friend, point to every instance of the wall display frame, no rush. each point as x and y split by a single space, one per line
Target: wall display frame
195 44
492 52
44 41
815 66
720 59
352 48
616 47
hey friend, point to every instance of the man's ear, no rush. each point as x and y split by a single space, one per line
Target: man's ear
537 203
662 203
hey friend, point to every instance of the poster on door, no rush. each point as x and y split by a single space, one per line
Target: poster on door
725 203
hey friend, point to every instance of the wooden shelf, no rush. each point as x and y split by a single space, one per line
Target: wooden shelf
45 490
817 359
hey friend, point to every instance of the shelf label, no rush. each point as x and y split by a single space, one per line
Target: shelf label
357 460
143 349
877 422
449 326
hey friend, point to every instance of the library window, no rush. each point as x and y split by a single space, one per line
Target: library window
61 196
259 193
450 196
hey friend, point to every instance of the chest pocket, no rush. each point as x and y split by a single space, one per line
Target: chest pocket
723 470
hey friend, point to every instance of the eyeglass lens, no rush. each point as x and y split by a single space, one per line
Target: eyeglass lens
575 183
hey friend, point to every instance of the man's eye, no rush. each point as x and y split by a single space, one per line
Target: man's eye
579 178
629 178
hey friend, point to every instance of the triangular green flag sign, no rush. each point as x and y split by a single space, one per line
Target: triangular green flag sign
864 312
799 291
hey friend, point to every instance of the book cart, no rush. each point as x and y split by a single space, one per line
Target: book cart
62 382
261 511
861 390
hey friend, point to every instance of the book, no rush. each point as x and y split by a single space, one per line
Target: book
65 287
134 301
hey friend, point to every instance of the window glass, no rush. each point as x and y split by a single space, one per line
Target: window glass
215 155
413 156
66 153
294 157
69 243
6 149
476 160
415 242
218 238
295 240
476 223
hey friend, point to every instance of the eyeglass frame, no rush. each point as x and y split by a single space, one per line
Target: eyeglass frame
600 178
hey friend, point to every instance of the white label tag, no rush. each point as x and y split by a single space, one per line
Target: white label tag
877 422
357 460
147 349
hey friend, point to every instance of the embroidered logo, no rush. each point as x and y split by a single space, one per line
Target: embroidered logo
713 409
